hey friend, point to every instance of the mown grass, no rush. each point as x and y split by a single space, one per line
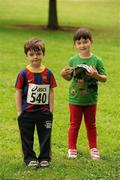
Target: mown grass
104 24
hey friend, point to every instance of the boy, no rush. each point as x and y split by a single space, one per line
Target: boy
83 91
35 102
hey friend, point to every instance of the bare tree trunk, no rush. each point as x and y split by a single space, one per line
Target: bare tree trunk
52 19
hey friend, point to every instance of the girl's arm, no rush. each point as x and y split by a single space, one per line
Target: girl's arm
19 101
101 78
51 99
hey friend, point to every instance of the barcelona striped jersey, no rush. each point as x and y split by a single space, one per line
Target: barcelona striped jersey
35 88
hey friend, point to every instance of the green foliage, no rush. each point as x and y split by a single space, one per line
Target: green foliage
102 18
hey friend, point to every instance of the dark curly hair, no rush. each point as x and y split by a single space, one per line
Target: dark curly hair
34 44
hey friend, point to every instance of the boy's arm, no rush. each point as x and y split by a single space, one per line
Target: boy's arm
51 99
66 73
94 73
19 101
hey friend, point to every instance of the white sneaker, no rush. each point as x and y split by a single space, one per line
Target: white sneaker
72 153
34 164
44 164
95 155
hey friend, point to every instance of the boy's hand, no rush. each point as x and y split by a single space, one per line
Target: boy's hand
19 113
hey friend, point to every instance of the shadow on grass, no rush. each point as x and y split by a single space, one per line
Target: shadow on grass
44 27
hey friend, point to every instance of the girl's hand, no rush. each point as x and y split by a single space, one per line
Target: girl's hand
92 72
66 73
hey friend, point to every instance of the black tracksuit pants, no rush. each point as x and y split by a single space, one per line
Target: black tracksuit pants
27 122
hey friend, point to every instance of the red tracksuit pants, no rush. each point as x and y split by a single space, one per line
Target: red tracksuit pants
76 113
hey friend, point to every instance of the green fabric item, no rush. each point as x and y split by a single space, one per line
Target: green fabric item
84 89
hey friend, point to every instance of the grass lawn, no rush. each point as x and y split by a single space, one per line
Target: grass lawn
102 17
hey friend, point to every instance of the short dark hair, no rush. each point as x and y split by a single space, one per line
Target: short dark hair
34 44
82 33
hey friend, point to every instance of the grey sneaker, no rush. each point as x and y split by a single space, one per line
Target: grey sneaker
44 164
34 164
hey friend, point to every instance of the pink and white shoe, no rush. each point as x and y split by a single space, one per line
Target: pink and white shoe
95 155
72 153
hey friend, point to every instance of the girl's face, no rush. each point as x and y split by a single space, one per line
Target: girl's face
83 46
35 58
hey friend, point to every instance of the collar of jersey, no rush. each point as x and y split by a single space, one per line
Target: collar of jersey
35 71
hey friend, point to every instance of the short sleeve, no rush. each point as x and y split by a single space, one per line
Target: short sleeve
20 80
100 67
70 63
53 83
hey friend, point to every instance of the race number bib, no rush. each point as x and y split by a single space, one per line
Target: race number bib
38 94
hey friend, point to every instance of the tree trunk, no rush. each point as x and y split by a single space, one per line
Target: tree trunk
52 18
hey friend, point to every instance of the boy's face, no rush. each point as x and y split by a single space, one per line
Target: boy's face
83 46
34 58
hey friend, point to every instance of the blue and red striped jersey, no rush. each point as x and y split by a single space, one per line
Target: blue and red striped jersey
38 81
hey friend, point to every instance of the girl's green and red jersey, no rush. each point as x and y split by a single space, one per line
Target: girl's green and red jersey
84 90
